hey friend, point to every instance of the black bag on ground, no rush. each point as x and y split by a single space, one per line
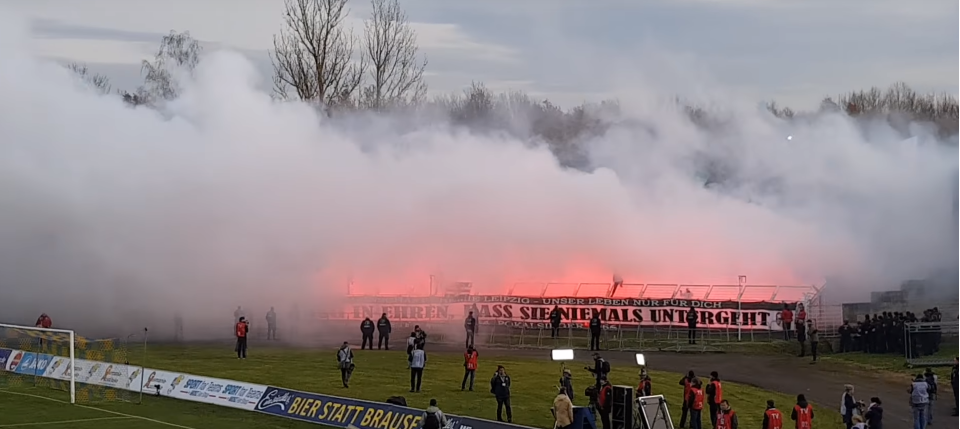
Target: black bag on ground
397 400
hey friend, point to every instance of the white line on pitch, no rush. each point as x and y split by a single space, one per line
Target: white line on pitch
97 419
116 413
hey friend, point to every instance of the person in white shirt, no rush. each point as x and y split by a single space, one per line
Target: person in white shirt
919 397
417 359
345 363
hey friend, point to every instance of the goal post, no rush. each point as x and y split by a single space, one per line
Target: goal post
24 345
89 370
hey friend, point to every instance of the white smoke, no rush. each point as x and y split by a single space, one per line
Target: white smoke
111 213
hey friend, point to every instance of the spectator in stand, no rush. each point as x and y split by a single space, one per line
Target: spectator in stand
802 413
814 335
786 320
848 405
692 319
874 414
562 410
555 319
687 383
470 327
846 337
918 400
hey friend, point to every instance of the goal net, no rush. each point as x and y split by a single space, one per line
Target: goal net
59 364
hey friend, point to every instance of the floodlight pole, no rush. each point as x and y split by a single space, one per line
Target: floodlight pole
743 281
143 364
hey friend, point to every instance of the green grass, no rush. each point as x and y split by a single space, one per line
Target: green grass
378 376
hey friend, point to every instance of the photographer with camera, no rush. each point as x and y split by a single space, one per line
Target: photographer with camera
600 368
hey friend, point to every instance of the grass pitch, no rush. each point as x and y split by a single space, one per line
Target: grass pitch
379 374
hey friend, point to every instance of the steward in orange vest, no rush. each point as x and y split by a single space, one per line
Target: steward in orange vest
242 329
469 367
726 418
695 399
802 413
772 417
714 396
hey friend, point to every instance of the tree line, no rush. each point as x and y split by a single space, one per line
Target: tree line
317 59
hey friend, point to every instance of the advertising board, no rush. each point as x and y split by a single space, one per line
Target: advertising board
336 411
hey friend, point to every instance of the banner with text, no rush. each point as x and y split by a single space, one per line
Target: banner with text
535 312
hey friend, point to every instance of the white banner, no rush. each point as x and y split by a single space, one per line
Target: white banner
177 385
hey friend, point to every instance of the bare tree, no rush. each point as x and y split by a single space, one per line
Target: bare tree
396 74
313 53
178 51
98 81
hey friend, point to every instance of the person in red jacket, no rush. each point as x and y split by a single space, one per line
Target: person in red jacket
645 387
802 413
786 320
714 396
45 322
696 399
687 383
242 328
727 418
605 403
469 367
772 417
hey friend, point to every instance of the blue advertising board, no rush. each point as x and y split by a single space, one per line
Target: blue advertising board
336 411
344 412
4 355
33 363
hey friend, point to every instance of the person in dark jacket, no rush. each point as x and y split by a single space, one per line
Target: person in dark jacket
692 325
605 403
566 381
802 413
596 328
954 382
383 332
802 338
500 388
849 406
421 336
366 329
687 383
714 392
600 368
470 326
874 414
555 320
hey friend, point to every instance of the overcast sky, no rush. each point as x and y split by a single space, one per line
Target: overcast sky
794 51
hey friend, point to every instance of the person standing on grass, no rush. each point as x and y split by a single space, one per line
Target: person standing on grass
695 399
383 332
814 334
931 380
566 381
345 363
955 383
848 405
727 418
271 324
241 330
500 388
418 359
772 417
714 397
605 403
687 383
411 342
919 399
366 330
802 413
469 367
432 417
874 414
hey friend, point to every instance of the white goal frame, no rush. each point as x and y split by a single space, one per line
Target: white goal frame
73 345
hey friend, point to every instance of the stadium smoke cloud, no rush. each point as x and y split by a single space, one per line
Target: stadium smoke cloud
112 216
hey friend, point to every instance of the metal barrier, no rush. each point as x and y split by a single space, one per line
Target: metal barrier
924 340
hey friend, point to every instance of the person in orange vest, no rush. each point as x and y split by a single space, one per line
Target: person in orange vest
605 403
714 397
772 417
242 329
687 383
695 399
802 413
645 387
469 367
786 320
727 418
